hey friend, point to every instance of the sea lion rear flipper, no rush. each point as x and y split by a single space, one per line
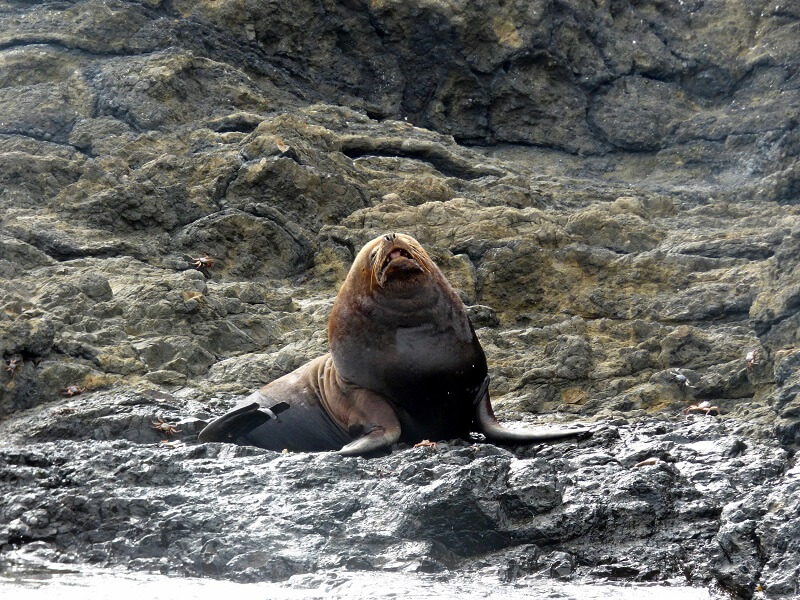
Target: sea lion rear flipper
219 429
276 409
246 417
487 424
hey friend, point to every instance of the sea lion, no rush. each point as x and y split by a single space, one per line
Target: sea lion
404 365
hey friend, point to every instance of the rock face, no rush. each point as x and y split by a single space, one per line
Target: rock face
655 493
612 189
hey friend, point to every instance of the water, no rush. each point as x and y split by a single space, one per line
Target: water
57 582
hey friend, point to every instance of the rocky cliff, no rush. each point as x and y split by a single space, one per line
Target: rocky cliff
612 187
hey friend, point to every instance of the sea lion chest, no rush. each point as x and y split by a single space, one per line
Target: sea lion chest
427 363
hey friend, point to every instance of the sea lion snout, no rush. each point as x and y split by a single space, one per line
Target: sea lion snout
397 254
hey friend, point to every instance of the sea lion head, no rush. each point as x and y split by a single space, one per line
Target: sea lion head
392 282
390 259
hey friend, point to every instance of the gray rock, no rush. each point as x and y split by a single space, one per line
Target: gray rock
637 113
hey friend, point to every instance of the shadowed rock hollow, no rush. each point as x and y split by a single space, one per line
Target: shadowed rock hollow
613 189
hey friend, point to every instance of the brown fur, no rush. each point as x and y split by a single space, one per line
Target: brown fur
405 365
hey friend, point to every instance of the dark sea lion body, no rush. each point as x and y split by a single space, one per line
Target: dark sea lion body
405 365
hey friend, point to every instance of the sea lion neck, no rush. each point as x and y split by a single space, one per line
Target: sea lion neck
413 295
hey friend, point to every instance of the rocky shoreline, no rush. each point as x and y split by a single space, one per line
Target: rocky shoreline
612 190
691 500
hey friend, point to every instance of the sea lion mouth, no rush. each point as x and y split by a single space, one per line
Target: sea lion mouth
397 259
395 254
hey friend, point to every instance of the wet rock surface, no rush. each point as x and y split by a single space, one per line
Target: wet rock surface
684 501
612 190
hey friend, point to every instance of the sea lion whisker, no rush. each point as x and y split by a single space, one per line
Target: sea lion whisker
376 271
420 258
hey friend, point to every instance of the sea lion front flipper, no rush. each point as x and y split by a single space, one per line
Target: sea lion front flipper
366 413
487 425
380 437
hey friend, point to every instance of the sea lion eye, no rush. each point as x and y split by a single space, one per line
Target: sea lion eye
372 255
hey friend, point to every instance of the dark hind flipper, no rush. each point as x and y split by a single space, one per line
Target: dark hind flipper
487 425
227 427
231 425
